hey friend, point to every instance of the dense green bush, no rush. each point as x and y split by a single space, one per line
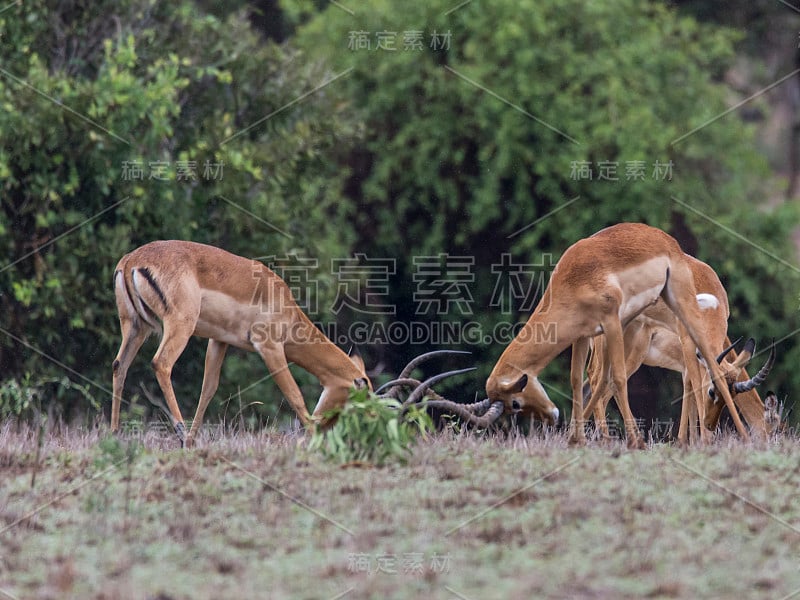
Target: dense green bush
475 149
468 142
105 107
371 429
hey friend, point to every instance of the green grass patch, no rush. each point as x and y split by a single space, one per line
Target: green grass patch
503 516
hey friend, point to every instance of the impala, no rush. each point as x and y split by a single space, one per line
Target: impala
179 289
656 338
600 284
739 383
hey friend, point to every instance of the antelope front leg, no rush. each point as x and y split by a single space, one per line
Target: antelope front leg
215 354
275 359
616 358
580 351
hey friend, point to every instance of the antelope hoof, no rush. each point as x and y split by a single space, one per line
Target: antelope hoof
607 440
636 443
180 430
577 440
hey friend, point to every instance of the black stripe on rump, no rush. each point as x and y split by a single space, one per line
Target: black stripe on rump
151 280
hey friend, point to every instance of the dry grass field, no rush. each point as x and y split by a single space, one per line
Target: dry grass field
469 516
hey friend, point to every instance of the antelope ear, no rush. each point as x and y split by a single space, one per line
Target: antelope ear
746 354
356 359
361 383
520 384
771 401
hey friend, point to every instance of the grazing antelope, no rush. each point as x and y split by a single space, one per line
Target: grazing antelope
656 338
180 289
741 386
600 284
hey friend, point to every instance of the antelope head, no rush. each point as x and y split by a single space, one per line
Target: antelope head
731 370
522 395
335 395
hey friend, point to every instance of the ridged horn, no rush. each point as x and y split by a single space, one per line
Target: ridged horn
478 408
403 381
759 378
414 363
460 410
419 391
724 353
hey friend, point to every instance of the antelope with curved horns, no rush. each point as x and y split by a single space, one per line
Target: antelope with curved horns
180 289
480 414
599 285
739 383
656 338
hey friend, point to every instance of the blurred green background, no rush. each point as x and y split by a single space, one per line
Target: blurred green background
375 150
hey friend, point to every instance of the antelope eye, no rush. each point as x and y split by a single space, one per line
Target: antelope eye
712 393
515 405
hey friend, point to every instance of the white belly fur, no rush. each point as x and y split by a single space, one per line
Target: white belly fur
223 318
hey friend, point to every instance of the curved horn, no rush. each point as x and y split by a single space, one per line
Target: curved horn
758 379
403 381
427 356
728 349
478 408
419 391
460 410
412 383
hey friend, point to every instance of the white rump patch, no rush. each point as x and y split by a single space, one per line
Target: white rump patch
122 294
706 301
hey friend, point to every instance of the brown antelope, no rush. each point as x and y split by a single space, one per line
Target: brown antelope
600 284
180 289
656 338
740 383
